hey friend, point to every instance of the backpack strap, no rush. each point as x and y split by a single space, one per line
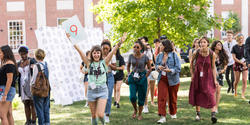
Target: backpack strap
38 67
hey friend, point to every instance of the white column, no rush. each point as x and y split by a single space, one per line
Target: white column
88 15
244 18
40 13
210 33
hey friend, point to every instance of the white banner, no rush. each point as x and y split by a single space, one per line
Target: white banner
64 62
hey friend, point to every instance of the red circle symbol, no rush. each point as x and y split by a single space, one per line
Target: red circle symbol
73 29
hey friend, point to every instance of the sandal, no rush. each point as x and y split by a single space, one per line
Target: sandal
140 117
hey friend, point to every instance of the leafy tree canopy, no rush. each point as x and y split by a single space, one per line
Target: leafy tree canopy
180 20
232 23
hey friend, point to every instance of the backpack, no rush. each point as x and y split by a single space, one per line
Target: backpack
41 87
196 56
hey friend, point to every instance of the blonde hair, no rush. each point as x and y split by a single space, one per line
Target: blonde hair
40 54
238 37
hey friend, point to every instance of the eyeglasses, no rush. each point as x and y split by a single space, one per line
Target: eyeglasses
136 47
105 48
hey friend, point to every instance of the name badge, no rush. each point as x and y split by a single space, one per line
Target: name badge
136 75
92 85
163 73
201 74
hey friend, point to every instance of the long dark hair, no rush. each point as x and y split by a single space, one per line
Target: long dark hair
223 57
95 48
141 44
7 54
168 47
195 40
118 55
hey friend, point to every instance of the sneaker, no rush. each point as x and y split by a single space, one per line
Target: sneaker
117 105
33 123
86 105
173 116
27 123
197 118
106 118
145 109
162 120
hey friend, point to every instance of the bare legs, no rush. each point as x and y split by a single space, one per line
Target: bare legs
6 113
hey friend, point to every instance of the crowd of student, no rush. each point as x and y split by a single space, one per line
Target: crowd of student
103 67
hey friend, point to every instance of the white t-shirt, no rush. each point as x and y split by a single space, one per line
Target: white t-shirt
149 54
228 48
35 72
113 61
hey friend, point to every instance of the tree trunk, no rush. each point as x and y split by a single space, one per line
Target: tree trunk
158 27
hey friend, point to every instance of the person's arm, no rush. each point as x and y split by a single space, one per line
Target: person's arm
113 63
236 60
129 64
109 56
83 56
149 69
81 67
214 70
8 85
35 72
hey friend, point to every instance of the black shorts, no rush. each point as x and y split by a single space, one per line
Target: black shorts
118 77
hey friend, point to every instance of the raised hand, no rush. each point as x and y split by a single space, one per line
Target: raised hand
124 36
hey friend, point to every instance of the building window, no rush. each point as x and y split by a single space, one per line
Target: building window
16 33
227 1
224 15
65 4
15 6
60 21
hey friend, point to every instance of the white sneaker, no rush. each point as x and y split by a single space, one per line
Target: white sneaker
173 116
162 120
197 118
145 109
86 105
106 118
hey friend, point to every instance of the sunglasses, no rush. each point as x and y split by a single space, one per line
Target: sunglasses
137 47
105 48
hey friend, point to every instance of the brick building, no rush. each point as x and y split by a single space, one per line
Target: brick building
20 18
223 8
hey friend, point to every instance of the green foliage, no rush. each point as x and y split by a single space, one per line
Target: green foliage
232 23
180 20
185 70
15 104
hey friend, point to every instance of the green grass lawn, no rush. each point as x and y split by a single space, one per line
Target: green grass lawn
232 111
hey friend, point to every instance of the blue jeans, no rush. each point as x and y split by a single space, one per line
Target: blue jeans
42 106
110 83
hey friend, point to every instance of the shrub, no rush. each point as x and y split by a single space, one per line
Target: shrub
185 70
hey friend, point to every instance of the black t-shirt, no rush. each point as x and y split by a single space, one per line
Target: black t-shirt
8 68
238 51
119 62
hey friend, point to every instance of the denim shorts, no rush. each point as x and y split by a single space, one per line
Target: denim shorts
85 78
100 92
11 94
151 77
